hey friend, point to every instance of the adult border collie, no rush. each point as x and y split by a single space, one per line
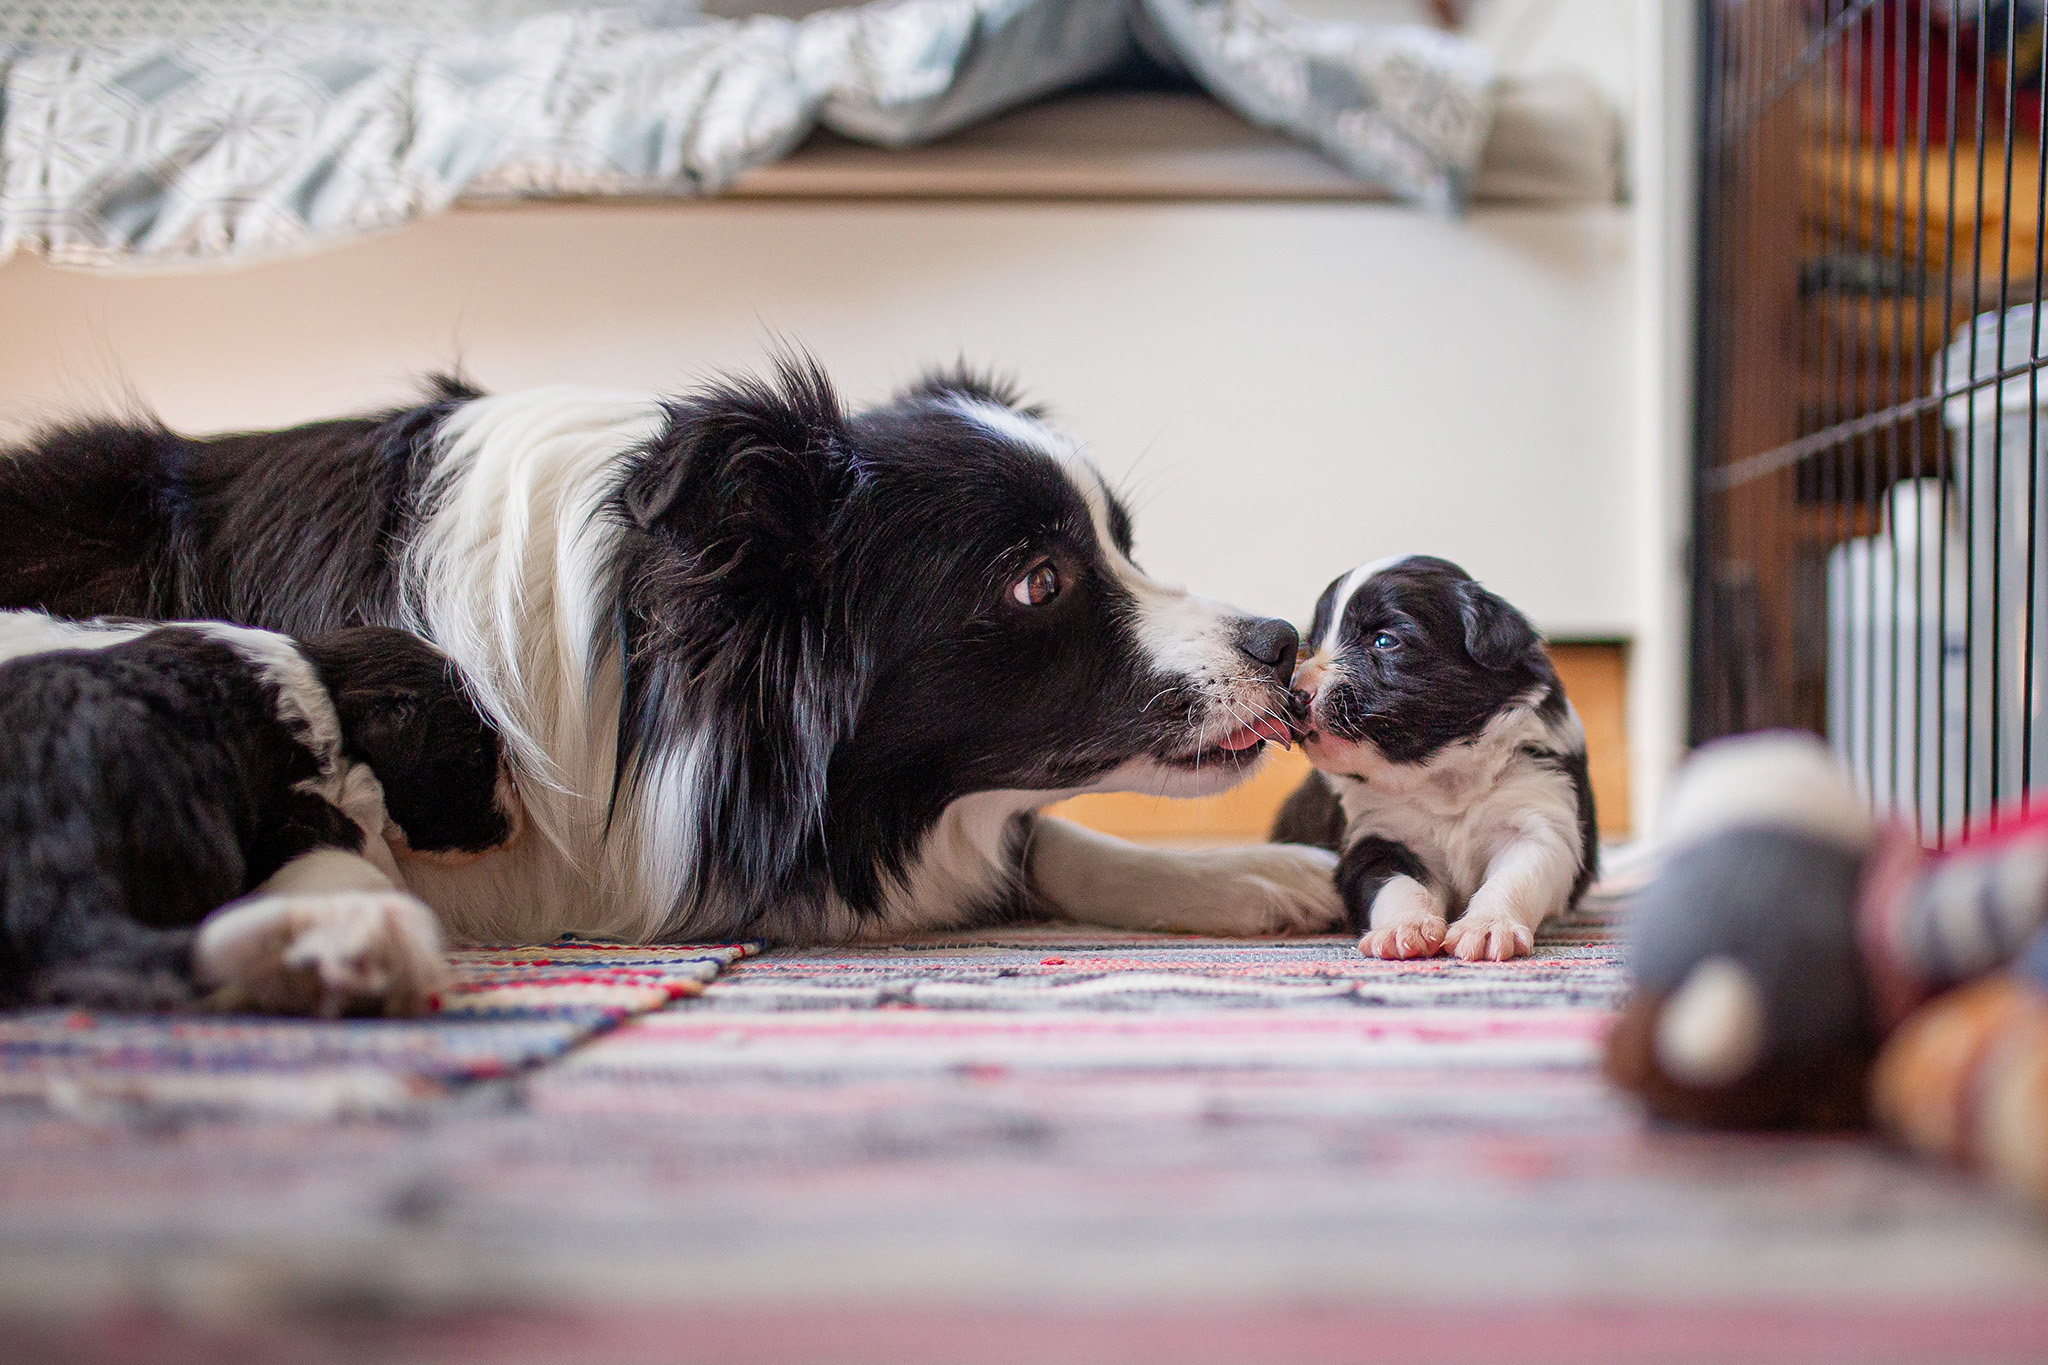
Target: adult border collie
765 668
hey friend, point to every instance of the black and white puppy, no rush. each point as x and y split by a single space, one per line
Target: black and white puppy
1452 769
202 810
765 667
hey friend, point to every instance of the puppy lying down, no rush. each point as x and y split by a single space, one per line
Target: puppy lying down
1452 770
201 813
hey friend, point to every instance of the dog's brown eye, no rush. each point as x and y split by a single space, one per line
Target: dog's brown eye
1038 587
1301 653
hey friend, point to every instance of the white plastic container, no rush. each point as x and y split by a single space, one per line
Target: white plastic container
1897 672
2001 492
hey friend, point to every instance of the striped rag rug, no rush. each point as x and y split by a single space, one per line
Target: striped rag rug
508 1010
1040 1145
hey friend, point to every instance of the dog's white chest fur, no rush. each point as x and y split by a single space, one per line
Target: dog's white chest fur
1461 808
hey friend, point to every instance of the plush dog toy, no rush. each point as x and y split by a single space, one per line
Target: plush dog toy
1965 1078
1788 935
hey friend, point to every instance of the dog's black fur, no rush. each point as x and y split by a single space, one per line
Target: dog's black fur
1368 864
291 531
145 784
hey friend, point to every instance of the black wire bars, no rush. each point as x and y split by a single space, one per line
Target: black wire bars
1869 495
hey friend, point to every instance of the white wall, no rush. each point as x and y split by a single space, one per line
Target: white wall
1666 217
1297 387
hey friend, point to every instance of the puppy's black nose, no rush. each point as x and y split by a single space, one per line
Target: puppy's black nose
1270 643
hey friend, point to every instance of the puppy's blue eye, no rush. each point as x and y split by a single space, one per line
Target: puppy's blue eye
1385 641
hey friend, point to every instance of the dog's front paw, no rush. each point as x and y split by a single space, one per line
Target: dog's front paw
1416 938
1405 920
1493 938
327 953
1280 889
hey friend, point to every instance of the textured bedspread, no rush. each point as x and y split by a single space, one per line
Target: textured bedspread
243 142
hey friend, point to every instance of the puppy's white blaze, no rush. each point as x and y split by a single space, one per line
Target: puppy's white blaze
513 537
1711 1030
1353 581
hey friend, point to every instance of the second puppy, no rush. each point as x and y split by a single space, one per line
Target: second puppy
198 812
1452 774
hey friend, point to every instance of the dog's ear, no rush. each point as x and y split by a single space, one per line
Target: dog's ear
959 380
745 466
739 680
1496 635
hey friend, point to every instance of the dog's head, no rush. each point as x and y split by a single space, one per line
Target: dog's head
1407 656
404 712
841 624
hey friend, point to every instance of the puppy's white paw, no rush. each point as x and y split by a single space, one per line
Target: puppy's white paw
1493 938
1406 921
328 953
1274 889
1422 938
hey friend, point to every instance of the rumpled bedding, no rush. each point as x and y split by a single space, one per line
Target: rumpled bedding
249 142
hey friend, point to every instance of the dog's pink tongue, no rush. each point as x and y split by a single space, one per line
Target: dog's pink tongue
1263 728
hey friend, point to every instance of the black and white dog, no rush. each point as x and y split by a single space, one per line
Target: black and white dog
201 809
1452 768
765 668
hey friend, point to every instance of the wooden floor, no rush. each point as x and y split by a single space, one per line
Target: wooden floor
1595 678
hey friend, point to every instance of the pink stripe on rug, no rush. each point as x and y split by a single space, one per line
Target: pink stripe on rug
1990 1332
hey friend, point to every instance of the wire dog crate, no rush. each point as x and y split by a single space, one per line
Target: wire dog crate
1868 503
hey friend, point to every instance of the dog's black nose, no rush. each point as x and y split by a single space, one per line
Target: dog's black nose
1270 643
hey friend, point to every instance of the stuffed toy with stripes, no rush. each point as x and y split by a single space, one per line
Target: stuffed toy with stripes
1965 1078
1799 964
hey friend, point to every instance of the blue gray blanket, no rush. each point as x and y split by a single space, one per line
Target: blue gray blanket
246 142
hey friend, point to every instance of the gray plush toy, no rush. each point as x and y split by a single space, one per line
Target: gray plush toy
1788 933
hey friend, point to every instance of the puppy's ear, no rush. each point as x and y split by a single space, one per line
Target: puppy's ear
404 712
382 724
739 678
1496 635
